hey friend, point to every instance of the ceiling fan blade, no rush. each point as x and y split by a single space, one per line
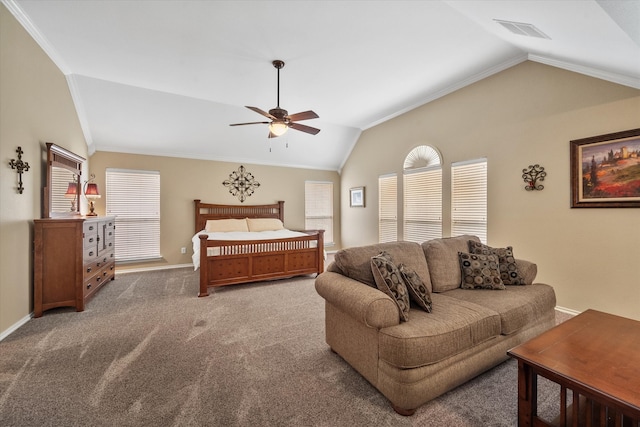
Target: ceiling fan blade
304 128
259 111
250 123
305 115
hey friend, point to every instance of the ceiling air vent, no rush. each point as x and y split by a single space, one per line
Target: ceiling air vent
522 29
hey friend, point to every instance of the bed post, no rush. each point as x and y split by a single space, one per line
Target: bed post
197 202
320 254
281 210
204 267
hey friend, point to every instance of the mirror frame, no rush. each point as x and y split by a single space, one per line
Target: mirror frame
61 158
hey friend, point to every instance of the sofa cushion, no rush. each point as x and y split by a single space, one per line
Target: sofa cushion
417 290
356 262
480 271
443 262
389 281
508 267
517 306
453 327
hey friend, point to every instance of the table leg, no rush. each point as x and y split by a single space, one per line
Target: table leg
527 394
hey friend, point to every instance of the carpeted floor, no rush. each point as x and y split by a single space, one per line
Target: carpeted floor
147 351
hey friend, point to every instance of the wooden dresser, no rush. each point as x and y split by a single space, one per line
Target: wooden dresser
73 258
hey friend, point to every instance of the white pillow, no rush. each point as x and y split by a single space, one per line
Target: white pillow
226 225
264 224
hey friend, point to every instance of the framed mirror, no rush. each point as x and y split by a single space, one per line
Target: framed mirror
64 186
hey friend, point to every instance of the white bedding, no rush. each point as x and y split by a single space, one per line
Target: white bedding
238 235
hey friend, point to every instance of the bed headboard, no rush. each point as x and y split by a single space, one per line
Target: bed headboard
206 211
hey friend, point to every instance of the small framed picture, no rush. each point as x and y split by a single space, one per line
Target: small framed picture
356 197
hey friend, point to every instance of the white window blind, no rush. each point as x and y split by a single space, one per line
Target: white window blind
388 208
134 197
422 204
318 208
469 198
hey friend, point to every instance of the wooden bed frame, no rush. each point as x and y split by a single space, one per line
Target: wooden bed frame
244 261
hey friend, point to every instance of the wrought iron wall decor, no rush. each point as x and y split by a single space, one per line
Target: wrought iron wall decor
20 166
532 175
241 183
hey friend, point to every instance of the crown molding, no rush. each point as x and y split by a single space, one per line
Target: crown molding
26 23
588 71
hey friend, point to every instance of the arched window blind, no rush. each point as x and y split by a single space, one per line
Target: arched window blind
388 208
134 197
422 182
469 198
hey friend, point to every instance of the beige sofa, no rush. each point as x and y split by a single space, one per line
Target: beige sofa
467 332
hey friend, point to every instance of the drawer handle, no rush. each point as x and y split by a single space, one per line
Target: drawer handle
104 273
112 267
89 286
98 264
89 270
90 253
98 279
90 227
110 244
91 240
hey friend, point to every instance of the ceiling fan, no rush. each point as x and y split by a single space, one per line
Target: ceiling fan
280 118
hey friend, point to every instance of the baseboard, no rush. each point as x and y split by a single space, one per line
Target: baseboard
162 267
15 326
567 310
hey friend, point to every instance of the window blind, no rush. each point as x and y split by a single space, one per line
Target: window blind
469 198
388 208
318 208
134 197
422 204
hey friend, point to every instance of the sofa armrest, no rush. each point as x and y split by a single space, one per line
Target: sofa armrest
362 302
528 270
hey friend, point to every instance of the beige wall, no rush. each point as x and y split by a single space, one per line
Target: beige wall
35 107
183 180
522 116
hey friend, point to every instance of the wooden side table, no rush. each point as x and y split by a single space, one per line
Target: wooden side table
595 355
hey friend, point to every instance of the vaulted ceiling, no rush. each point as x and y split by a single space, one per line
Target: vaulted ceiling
168 77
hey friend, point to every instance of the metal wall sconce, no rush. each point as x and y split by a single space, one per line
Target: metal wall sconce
532 175
21 167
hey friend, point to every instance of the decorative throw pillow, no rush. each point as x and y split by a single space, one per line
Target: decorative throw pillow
264 224
389 281
416 287
480 271
509 272
226 225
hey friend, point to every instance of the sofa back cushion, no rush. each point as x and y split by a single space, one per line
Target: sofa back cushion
355 263
443 261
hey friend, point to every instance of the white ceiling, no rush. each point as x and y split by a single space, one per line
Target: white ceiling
168 77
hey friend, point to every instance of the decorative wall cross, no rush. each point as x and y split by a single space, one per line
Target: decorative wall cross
241 183
20 166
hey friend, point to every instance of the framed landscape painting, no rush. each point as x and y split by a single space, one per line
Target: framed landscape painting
605 171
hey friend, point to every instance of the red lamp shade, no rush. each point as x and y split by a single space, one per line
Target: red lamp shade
91 192
72 190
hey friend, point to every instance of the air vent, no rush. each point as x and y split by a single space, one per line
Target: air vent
522 29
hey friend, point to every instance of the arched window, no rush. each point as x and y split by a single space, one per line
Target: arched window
422 178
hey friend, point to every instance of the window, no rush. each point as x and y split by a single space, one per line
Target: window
388 208
422 181
469 198
318 208
134 197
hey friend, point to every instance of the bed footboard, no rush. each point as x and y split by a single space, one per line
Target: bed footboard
227 262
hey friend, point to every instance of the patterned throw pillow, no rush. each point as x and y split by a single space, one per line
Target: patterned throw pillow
390 282
480 271
416 287
508 269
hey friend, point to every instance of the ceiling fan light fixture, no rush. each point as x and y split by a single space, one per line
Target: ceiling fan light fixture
278 128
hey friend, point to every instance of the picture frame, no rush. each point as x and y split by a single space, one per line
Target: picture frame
605 170
356 197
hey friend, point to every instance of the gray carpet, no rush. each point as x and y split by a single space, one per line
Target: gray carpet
147 351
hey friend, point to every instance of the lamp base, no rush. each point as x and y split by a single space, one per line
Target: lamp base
91 212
